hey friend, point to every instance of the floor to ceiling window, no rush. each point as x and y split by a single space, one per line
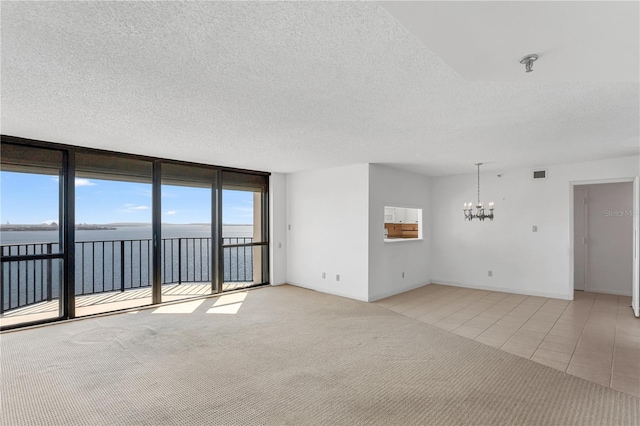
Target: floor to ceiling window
114 249
31 233
188 255
244 224
87 231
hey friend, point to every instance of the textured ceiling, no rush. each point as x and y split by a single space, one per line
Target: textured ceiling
291 86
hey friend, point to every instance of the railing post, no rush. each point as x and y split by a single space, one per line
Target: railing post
121 265
179 260
49 275
2 285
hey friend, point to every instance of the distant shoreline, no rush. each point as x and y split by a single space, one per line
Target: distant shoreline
17 228
109 227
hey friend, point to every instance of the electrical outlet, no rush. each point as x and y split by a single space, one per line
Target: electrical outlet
324 275
535 228
337 277
491 273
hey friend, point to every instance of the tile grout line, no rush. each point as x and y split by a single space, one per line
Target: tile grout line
615 335
545 336
593 302
519 328
491 306
453 302
523 300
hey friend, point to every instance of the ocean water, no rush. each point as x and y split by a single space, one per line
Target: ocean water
105 263
126 233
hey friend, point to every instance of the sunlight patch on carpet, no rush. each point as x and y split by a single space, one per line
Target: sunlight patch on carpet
228 304
179 308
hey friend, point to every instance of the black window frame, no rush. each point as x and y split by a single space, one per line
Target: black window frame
241 177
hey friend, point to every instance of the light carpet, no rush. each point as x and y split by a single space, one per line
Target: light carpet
287 356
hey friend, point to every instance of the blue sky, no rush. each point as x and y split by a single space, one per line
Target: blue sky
33 199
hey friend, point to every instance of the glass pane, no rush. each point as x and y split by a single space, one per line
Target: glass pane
30 291
242 226
239 217
114 247
30 226
187 253
30 213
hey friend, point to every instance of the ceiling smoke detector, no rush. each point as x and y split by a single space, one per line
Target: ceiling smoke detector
528 61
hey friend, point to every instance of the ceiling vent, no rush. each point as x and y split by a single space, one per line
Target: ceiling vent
539 174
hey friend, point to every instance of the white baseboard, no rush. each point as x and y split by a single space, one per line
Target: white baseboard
506 290
324 290
608 291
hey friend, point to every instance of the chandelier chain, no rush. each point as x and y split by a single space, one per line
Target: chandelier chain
478 184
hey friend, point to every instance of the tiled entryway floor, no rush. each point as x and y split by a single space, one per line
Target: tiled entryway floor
595 336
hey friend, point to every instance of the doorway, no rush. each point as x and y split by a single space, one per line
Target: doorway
603 237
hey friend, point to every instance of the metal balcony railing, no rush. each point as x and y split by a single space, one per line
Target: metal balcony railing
119 265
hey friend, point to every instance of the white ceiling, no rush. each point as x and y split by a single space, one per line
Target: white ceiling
284 87
484 41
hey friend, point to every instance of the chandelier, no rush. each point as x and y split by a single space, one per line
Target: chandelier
480 213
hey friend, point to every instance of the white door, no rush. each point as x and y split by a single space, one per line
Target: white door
401 215
635 292
580 238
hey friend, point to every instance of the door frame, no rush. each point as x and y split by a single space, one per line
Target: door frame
572 185
635 211
586 233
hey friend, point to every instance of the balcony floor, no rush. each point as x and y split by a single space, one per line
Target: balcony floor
112 301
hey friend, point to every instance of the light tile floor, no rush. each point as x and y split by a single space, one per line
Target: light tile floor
595 336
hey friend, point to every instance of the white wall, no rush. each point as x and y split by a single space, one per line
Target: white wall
278 228
610 230
387 261
328 212
522 261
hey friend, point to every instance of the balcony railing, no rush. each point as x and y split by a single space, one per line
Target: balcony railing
103 266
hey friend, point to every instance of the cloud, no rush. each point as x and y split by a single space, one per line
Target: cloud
79 181
84 182
132 208
171 212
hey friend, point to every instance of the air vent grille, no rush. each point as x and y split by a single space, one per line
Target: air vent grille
539 174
